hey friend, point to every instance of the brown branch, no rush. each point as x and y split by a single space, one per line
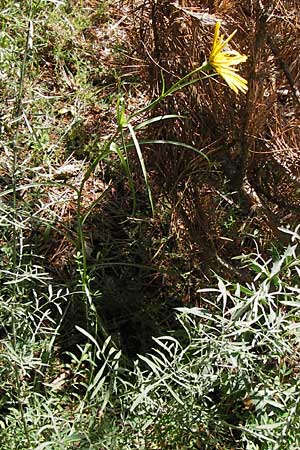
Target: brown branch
262 209
284 67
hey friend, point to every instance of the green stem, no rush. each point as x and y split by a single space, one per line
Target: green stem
180 84
16 115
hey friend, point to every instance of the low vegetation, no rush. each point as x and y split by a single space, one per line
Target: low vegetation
149 269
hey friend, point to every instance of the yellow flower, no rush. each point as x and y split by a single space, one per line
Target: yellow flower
222 61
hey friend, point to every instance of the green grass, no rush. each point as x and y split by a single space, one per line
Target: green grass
228 374
79 290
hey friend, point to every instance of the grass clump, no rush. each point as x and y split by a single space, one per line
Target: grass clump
227 376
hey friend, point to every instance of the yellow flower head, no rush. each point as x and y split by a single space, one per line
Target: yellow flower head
222 61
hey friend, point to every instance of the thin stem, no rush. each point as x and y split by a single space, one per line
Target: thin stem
81 218
14 178
180 84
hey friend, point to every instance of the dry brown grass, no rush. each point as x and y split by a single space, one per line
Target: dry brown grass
251 183
252 141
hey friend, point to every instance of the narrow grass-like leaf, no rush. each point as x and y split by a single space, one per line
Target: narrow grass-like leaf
126 167
157 119
142 163
170 142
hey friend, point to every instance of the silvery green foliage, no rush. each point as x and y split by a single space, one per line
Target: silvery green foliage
232 373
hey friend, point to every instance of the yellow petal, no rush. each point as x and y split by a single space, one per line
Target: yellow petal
234 80
228 61
223 61
218 42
